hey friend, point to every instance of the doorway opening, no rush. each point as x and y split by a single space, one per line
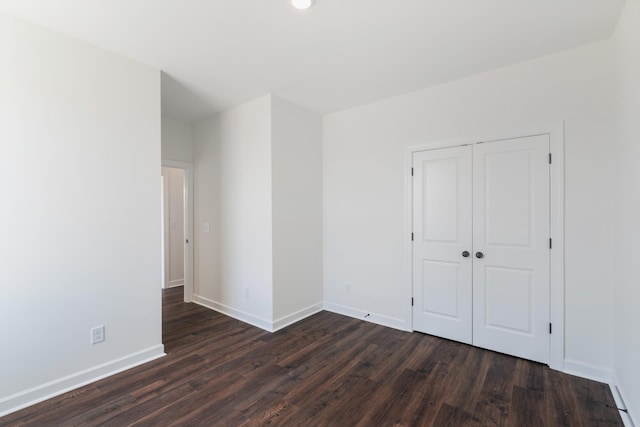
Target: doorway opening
177 228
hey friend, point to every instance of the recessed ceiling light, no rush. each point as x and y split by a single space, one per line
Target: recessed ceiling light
301 4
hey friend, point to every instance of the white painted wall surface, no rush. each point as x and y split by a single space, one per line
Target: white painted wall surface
233 152
364 185
206 213
297 209
626 43
80 245
174 226
177 140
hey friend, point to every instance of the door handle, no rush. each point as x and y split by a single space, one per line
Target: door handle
465 254
479 255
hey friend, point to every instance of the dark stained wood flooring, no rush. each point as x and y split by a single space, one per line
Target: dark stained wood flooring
328 370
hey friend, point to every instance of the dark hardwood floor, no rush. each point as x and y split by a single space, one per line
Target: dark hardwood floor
326 370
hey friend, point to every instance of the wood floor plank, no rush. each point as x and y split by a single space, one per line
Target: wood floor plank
145 407
494 404
467 379
397 401
561 400
527 408
455 416
327 370
593 401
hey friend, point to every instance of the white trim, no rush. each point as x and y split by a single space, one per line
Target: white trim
176 285
380 319
628 418
587 371
188 218
162 231
556 293
408 246
297 316
240 315
62 385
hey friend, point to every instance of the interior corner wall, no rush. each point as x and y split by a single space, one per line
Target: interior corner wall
177 140
627 268
297 211
232 162
80 246
364 164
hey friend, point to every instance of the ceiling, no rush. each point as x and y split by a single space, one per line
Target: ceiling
216 54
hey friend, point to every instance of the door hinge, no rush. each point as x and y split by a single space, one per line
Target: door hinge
412 237
411 301
549 158
550 328
550 243
411 171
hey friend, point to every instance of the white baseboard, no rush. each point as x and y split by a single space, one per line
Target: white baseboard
380 319
292 318
628 418
287 320
588 371
240 315
57 387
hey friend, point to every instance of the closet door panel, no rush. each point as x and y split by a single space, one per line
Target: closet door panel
442 232
511 247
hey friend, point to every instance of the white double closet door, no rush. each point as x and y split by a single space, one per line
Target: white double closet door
481 245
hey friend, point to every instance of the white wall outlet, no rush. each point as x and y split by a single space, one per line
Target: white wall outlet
246 293
347 287
97 334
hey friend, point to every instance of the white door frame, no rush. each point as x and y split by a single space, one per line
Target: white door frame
556 292
188 219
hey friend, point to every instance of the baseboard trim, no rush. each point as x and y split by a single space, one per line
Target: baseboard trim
175 284
292 318
37 394
588 371
240 315
628 418
380 319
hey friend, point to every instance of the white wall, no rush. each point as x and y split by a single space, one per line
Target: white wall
174 226
233 195
626 43
80 245
206 244
297 210
177 140
364 185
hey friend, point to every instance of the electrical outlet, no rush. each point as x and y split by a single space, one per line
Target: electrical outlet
97 334
246 293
